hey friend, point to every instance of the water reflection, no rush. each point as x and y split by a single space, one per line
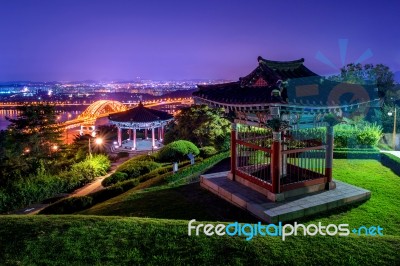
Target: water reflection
62 116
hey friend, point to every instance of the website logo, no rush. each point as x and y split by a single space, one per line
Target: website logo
283 231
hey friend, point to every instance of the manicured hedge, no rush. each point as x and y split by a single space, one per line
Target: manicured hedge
163 173
68 205
190 170
177 151
391 161
353 153
132 170
76 204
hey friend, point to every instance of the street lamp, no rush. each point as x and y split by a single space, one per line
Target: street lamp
97 141
394 127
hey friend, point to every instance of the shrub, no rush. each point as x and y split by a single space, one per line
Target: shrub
207 151
42 185
105 194
114 178
361 135
134 160
364 135
91 167
138 168
130 170
68 205
128 184
155 173
164 173
177 151
188 171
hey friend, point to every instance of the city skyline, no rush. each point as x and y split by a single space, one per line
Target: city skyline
100 40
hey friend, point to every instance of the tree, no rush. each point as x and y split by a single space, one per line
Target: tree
31 140
379 74
202 125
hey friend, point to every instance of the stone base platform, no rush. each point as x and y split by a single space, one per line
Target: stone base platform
283 211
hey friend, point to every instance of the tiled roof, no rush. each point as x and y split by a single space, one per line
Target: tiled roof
234 93
140 114
303 86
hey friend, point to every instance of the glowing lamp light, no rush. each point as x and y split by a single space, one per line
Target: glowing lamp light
98 141
390 113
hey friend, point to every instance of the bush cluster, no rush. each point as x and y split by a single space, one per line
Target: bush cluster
362 135
42 185
207 151
162 173
132 169
177 151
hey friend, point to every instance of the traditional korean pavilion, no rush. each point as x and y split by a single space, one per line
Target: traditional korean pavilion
140 118
282 117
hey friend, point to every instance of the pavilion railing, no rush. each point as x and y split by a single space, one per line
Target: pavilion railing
302 160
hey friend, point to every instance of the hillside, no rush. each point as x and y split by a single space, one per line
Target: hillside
93 240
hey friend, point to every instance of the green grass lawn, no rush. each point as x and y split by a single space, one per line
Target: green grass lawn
94 240
192 202
100 240
383 208
183 202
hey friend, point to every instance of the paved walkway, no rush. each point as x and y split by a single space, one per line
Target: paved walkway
93 186
395 153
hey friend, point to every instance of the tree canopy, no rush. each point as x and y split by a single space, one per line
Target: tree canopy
33 138
378 74
202 125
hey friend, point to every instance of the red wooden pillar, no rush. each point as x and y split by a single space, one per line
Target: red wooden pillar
233 151
276 162
145 133
329 153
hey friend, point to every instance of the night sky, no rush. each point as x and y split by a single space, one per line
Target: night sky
74 40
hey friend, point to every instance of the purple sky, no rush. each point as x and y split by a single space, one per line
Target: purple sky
123 39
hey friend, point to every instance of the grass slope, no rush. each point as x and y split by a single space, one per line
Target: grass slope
96 240
90 240
183 202
192 202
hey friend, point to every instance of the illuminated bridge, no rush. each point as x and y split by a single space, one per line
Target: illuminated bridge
103 108
96 110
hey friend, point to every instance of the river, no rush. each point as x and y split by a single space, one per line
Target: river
63 114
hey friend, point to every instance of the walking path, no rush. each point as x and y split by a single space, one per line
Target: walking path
93 186
395 153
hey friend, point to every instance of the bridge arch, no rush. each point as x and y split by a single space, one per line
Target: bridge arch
102 107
